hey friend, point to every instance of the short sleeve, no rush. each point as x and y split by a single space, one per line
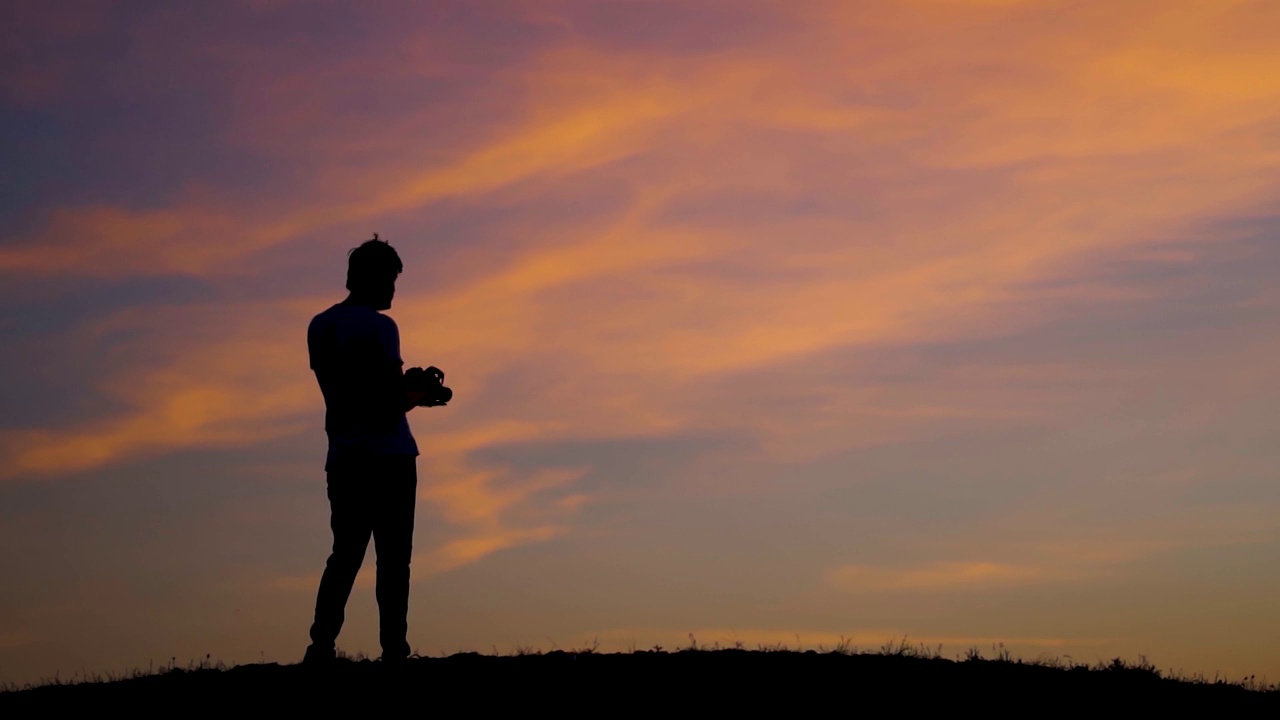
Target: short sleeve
317 347
388 337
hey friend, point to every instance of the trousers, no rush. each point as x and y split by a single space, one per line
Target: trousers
373 497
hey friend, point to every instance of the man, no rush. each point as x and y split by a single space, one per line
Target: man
372 460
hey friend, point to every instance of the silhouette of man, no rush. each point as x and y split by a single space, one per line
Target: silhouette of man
371 465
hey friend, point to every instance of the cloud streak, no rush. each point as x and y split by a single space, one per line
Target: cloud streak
832 230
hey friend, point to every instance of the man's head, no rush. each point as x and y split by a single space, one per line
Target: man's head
371 272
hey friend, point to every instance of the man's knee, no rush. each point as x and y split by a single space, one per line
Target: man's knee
393 567
393 557
346 558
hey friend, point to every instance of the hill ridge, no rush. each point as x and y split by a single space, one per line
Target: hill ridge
722 678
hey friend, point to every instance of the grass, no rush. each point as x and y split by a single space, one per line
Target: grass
83 677
821 679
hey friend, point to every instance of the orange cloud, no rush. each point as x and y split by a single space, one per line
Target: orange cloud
203 380
1022 551
466 550
949 177
946 575
15 639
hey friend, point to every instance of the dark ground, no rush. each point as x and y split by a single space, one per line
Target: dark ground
679 683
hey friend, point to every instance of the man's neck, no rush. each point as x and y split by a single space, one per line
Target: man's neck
362 301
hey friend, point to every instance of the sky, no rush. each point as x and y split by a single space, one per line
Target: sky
768 322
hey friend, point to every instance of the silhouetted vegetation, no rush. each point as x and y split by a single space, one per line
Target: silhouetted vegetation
839 679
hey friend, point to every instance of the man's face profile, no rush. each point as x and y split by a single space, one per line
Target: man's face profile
383 289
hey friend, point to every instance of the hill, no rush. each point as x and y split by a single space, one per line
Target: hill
685 681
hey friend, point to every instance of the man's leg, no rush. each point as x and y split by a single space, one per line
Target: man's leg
393 541
350 519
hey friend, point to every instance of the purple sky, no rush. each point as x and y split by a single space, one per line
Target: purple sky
768 322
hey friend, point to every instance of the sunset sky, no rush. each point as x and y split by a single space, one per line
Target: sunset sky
767 322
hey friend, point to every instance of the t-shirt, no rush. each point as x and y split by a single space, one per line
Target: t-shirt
355 353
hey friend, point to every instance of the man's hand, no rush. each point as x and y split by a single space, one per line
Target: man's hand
414 398
415 394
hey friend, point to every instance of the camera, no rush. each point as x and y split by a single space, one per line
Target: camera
429 381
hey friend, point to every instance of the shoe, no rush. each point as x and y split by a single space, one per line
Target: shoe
398 652
317 655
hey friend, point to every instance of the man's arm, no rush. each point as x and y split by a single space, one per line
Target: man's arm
412 398
404 398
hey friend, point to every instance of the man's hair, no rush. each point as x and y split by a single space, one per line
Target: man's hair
374 260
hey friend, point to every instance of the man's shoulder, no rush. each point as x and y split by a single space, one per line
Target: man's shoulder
323 319
352 314
327 313
352 320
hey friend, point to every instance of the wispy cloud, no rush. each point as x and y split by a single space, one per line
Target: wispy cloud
944 575
1018 556
824 229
